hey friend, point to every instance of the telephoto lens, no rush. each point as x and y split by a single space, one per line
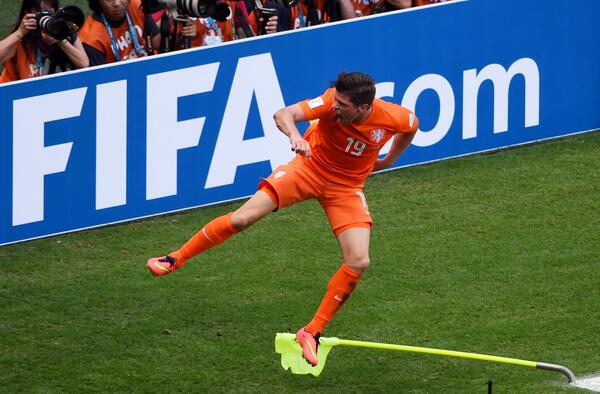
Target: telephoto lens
49 25
60 25
199 8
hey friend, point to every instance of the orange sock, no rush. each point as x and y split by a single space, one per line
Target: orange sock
214 233
339 289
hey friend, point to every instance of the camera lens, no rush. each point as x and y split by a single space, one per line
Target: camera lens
196 8
43 22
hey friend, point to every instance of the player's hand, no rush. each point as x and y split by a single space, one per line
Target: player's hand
380 164
300 146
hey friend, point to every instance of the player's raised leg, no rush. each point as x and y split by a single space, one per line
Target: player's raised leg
354 243
216 232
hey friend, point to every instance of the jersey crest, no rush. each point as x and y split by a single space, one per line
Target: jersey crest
377 135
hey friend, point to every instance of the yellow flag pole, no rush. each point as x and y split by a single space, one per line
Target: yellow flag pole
451 353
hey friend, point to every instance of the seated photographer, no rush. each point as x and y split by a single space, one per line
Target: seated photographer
29 51
185 32
253 18
117 30
175 34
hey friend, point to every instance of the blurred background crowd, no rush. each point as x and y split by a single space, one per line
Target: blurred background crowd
47 39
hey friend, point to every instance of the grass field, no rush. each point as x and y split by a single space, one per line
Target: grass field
495 254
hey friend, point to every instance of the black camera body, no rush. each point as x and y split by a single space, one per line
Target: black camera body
184 8
61 24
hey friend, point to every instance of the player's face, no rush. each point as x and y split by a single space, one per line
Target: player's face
346 111
114 9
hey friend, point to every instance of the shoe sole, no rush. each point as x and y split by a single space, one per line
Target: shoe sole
302 339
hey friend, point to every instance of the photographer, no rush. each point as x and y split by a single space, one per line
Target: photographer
117 30
190 26
30 52
176 34
254 17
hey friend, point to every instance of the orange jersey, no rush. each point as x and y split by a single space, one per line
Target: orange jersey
346 154
95 34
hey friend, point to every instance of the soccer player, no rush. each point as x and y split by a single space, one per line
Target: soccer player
333 159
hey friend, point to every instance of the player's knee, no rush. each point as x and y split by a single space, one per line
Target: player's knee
358 263
241 221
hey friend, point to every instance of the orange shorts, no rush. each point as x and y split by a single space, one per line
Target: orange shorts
345 206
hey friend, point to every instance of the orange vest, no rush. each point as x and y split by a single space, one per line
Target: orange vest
95 34
21 66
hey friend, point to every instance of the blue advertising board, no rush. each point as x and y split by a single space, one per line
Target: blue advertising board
193 128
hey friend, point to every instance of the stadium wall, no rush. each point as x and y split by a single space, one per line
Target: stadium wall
195 128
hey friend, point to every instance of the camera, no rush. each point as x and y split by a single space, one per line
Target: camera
185 8
61 24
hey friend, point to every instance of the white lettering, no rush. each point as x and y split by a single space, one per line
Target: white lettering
32 160
254 75
444 91
111 144
501 79
165 135
122 42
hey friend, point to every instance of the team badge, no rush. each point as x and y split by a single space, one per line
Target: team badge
377 135
314 103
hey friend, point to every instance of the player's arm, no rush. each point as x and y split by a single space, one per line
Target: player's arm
286 119
399 144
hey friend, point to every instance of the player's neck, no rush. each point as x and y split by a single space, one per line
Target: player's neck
364 116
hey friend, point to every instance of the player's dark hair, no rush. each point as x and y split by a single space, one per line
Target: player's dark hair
359 87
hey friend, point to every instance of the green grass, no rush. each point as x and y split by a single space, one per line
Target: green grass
495 254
